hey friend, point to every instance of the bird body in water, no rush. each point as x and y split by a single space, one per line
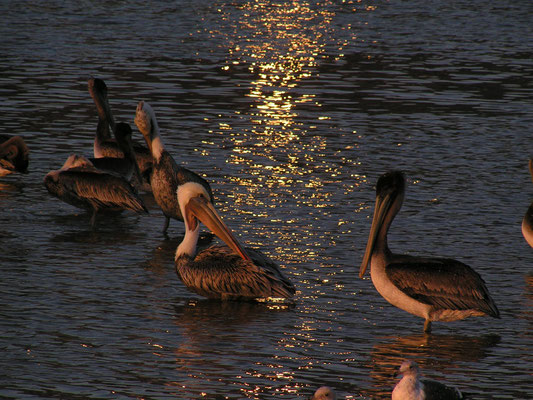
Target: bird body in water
412 387
436 289
527 221
105 145
82 185
14 155
166 174
222 272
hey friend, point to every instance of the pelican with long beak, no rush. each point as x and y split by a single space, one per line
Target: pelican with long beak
222 272
82 185
166 174
105 145
13 155
436 289
527 221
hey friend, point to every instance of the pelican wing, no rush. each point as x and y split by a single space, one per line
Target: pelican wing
101 190
441 283
218 272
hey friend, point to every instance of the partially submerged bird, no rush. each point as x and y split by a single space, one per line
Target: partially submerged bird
104 144
82 185
324 393
412 387
222 272
527 221
166 174
436 289
13 155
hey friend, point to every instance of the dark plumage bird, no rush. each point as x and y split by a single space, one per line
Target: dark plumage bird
127 166
436 289
527 221
412 387
104 144
82 185
166 174
222 272
13 155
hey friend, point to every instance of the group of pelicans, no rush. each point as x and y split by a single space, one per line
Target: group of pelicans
436 289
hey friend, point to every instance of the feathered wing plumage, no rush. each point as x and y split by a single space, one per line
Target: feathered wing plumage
220 273
442 283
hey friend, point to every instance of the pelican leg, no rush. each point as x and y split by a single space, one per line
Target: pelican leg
93 218
167 221
427 326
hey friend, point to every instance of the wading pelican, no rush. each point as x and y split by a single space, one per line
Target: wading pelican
411 387
126 167
222 272
437 289
324 393
104 144
82 185
13 155
527 222
166 174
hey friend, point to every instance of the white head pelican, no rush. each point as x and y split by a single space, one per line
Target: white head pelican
527 221
411 387
104 145
13 155
436 289
222 272
324 393
82 185
166 174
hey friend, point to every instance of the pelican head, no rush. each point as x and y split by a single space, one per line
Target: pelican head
146 122
98 91
390 192
195 204
408 368
324 393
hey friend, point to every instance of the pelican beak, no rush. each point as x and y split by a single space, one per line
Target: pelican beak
380 211
98 92
143 124
202 209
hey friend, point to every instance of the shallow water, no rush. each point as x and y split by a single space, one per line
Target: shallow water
291 110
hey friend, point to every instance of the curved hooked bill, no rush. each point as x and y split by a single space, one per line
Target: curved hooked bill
198 208
380 212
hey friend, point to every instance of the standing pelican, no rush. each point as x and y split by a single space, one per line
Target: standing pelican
125 167
222 272
13 155
411 387
437 289
82 185
166 174
527 222
104 145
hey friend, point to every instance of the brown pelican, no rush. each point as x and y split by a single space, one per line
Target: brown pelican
324 393
411 387
104 145
82 185
166 174
436 289
13 155
222 272
527 222
125 167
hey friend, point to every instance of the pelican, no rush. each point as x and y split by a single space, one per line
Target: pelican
166 174
436 289
125 167
222 272
527 222
104 145
13 155
82 185
324 393
411 387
